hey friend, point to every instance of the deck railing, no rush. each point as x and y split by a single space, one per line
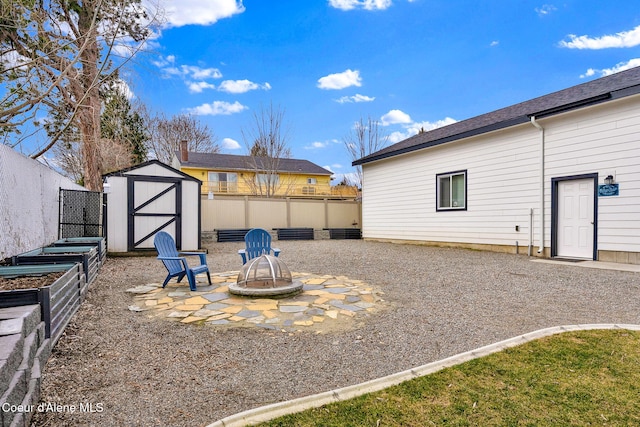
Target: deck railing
296 190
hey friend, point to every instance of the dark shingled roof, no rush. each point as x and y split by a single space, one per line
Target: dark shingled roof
607 88
232 162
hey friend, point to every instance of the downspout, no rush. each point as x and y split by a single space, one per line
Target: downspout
541 129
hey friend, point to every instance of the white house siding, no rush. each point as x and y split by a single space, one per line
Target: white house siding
503 181
117 214
190 215
603 139
399 194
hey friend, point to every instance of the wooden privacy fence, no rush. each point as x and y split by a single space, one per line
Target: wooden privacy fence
269 213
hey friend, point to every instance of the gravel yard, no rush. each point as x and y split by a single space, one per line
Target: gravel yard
138 371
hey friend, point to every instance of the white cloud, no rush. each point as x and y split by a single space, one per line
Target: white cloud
623 39
427 126
316 145
395 117
12 59
546 9
398 136
230 144
199 12
191 72
414 128
350 178
164 61
355 98
217 108
199 73
198 87
363 4
494 43
241 86
635 62
340 80
124 88
194 76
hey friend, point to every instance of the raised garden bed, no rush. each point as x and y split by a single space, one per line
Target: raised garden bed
99 242
296 233
61 289
86 255
232 234
344 233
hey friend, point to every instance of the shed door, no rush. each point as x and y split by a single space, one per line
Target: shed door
154 205
575 218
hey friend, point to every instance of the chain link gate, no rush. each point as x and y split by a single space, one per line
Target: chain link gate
80 214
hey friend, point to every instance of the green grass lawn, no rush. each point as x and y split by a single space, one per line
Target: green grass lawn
585 378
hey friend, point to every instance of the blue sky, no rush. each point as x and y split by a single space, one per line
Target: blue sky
406 63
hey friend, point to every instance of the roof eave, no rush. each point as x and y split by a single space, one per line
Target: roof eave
234 169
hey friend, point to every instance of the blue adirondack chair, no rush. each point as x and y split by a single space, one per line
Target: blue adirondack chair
257 242
175 261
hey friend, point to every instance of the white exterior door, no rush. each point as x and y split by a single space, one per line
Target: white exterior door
575 219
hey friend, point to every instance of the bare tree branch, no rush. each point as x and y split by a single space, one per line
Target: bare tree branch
267 142
364 139
62 53
166 135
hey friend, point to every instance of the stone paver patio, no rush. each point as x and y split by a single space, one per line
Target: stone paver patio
325 303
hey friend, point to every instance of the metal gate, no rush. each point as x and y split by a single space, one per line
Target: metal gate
80 214
154 204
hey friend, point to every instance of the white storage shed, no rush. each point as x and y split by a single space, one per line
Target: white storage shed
148 198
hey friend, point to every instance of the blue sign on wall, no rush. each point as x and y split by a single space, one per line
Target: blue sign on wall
608 190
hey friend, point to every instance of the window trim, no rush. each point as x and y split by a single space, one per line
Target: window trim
451 174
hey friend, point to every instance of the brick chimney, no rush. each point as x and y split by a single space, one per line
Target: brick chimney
184 153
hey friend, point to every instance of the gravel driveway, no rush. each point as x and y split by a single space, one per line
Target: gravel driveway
139 371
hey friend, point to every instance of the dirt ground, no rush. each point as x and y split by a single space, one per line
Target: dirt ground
137 370
28 282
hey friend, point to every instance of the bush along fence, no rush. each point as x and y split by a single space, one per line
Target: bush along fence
33 318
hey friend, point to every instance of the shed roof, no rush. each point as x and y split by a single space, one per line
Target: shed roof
604 89
244 163
129 171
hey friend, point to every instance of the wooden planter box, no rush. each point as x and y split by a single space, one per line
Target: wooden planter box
58 301
86 255
99 242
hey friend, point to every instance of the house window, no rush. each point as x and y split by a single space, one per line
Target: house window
223 182
268 179
312 181
452 191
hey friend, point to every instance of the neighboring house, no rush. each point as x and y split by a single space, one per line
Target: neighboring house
240 175
556 176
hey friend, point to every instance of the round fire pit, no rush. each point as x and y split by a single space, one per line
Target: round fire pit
265 275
